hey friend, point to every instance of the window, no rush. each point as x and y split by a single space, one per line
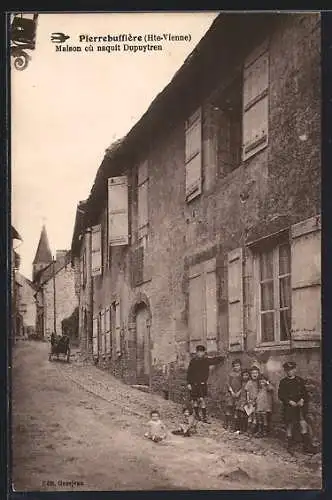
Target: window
274 294
193 155
96 250
116 326
139 252
118 222
142 194
104 236
255 101
228 112
203 305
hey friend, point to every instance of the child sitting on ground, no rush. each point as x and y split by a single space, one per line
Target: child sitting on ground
156 428
241 416
252 391
264 405
232 394
188 426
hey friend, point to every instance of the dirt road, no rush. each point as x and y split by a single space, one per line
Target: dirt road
75 427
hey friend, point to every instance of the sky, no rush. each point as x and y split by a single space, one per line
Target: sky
68 107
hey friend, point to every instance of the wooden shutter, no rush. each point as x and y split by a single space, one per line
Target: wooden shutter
118 211
193 155
255 101
117 329
95 337
211 308
108 330
96 250
102 333
235 300
143 205
196 308
306 282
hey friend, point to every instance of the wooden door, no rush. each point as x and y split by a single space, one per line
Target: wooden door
143 346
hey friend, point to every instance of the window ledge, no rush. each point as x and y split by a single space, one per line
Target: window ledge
273 347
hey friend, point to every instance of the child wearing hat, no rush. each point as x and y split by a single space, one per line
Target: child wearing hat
252 388
232 394
197 377
294 397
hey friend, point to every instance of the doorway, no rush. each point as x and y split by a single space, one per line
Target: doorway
142 345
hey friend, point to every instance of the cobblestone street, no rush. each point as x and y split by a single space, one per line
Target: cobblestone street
76 427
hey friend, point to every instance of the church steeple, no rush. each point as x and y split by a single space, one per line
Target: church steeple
43 255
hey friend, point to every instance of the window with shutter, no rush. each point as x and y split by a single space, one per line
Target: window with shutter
104 242
102 333
96 250
138 265
118 229
273 291
193 155
255 101
142 194
235 301
108 330
95 336
203 305
117 329
306 282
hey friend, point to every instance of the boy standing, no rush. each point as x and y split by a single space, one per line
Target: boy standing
294 397
264 406
232 394
197 377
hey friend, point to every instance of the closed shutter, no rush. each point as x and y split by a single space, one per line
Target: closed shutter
211 310
108 330
102 332
255 101
95 337
193 155
138 266
306 281
196 309
235 300
96 251
117 329
118 229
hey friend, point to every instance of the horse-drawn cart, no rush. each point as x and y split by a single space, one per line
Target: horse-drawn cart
60 344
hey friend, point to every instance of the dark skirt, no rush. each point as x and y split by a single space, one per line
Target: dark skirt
198 390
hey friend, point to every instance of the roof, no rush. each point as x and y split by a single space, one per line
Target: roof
15 234
43 254
78 228
20 279
205 66
47 273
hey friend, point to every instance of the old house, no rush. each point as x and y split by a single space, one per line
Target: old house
14 285
54 281
204 221
26 304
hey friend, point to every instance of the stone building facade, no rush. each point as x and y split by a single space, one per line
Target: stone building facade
205 218
26 304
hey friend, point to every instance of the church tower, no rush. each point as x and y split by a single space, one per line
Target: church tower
43 255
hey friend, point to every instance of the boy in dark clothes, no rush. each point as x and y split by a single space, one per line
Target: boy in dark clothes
294 397
197 377
242 417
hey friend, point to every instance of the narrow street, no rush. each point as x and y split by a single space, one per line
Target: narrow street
76 427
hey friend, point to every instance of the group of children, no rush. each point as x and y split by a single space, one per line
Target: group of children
248 402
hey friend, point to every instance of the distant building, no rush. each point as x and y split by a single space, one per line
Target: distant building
43 255
26 304
15 264
54 282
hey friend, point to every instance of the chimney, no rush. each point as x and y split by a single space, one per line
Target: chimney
60 256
